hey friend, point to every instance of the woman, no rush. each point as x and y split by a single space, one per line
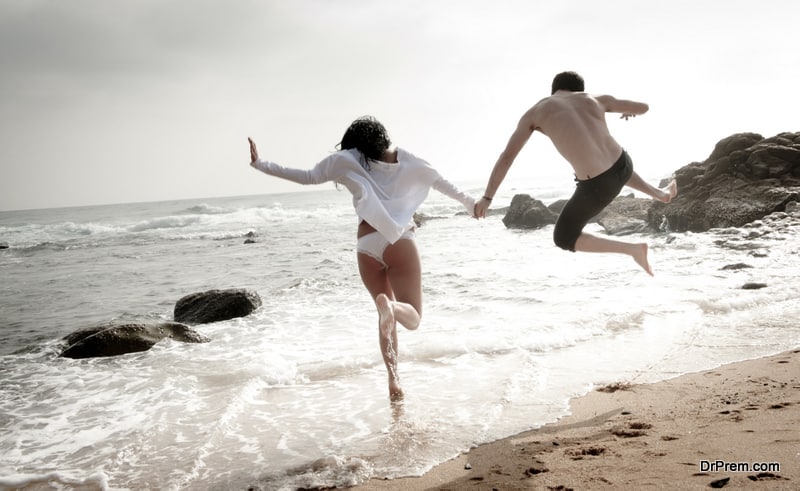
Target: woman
388 185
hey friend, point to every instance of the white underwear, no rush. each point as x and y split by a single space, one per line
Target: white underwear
373 244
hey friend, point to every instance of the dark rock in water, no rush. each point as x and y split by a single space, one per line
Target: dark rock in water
250 237
745 178
625 215
3 245
119 339
527 212
736 266
753 286
216 305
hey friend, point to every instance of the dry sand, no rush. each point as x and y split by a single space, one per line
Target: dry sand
650 436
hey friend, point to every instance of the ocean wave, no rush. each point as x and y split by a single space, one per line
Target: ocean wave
200 222
165 222
330 471
35 235
205 209
82 229
54 480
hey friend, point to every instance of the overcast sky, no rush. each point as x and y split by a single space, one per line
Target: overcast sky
143 100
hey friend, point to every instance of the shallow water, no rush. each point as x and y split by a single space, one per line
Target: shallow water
295 395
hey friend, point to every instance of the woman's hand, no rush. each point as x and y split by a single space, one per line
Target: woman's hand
253 150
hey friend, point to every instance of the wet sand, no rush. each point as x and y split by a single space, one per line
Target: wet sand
733 427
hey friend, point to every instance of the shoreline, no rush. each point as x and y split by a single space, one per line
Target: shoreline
706 429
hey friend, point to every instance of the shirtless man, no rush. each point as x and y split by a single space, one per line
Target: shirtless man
575 123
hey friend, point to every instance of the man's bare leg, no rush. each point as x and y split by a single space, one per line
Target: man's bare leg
665 195
592 243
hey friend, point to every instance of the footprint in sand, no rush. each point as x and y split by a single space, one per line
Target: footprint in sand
767 476
633 430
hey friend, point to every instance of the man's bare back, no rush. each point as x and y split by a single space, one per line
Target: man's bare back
575 123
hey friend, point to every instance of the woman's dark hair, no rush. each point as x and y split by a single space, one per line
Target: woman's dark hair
567 81
368 136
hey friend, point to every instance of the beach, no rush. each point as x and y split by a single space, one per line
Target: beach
294 395
732 427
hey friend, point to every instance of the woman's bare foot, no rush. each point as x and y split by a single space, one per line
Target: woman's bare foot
640 256
669 192
395 391
386 320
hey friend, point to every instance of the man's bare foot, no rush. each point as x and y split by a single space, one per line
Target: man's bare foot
386 320
640 256
669 192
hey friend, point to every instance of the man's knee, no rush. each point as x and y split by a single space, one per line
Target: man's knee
564 239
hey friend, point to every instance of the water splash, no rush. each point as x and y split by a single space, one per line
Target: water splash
664 225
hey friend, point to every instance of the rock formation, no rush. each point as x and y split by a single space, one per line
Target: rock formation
216 305
745 178
118 339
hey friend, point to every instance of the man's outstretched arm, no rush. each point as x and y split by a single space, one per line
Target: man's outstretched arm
627 108
518 139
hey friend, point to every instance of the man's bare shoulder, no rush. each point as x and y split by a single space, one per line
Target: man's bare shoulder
605 100
539 110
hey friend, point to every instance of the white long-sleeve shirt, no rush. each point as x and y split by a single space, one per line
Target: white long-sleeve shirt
386 196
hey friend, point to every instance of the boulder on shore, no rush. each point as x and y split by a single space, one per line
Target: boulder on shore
119 339
527 212
745 178
216 305
625 215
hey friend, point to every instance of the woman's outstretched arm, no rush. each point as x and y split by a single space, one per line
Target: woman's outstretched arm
322 172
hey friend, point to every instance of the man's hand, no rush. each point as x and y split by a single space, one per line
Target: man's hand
481 207
253 150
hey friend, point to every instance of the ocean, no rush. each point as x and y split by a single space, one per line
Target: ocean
295 395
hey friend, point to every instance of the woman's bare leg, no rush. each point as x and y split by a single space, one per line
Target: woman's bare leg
397 292
376 280
405 278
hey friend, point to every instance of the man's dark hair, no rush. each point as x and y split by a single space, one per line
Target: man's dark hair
567 81
368 136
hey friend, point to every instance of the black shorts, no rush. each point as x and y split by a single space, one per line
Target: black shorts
590 198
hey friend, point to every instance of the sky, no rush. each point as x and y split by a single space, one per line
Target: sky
149 100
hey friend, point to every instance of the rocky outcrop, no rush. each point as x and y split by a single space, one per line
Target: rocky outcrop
527 212
745 178
216 305
119 339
